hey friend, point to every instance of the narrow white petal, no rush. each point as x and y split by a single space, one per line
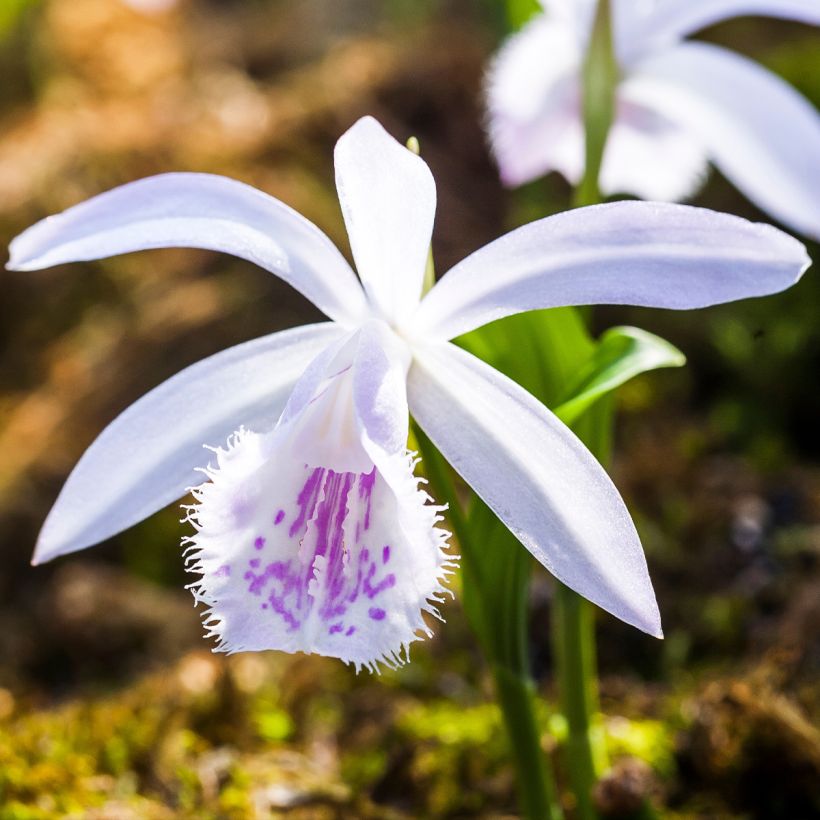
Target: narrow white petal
198 211
533 103
674 19
537 477
388 199
148 456
306 543
762 134
632 253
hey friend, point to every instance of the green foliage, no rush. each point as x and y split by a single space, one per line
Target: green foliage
520 11
10 12
622 354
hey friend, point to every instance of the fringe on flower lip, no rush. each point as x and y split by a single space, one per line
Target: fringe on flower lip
321 564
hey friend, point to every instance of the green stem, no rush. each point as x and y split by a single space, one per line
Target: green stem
498 615
600 79
516 697
574 646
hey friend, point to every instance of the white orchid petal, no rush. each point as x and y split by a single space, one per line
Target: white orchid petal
534 103
388 198
633 253
306 543
536 476
650 156
674 19
147 457
198 211
762 134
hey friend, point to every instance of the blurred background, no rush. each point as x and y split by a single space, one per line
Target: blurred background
111 705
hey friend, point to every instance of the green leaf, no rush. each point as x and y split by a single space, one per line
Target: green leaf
520 11
541 350
622 353
10 11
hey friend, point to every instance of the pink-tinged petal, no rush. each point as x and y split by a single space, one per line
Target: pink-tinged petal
388 199
305 543
650 156
149 455
533 104
624 253
762 134
537 477
198 211
151 6
672 20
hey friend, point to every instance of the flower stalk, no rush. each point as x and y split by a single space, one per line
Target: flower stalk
574 644
495 601
599 82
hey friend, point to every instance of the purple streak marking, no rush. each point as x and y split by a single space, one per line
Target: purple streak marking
307 500
292 588
387 582
366 483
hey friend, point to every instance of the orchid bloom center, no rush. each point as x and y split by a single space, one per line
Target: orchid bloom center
304 544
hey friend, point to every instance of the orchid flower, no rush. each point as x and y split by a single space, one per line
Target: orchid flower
311 531
678 104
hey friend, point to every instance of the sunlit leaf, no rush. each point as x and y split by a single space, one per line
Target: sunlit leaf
520 11
622 353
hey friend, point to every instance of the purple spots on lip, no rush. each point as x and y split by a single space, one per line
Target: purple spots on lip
224 571
372 590
329 568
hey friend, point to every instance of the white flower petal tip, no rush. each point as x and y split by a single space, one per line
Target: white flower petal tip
302 558
537 477
198 211
388 199
651 254
141 462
